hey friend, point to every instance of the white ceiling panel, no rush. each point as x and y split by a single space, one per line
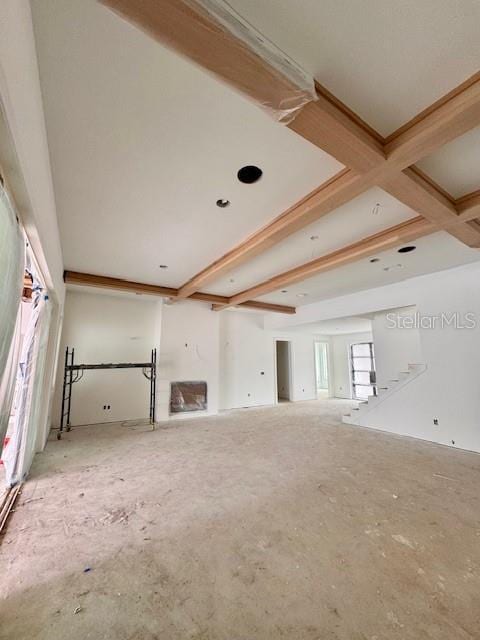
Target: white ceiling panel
367 214
142 145
456 166
433 253
386 59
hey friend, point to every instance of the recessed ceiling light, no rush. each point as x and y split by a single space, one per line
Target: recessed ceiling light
163 266
313 237
393 266
374 259
232 279
302 295
249 174
406 249
222 203
284 291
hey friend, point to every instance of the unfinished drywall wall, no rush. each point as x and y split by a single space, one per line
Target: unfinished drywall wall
395 347
340 352
107 328
190 348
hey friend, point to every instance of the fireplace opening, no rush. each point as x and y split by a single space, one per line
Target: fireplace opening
188 395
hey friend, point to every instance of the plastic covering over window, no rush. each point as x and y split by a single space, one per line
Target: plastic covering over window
12 265
19 454
212 34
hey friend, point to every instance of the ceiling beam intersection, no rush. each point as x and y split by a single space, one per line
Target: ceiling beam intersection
369 159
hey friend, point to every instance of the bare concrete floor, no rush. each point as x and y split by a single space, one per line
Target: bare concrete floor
263 523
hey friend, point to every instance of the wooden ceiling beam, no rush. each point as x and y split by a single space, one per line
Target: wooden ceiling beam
450 213
468 206
329 125
332 194
326 126
411 189
391 237
439 125
188 28
117 284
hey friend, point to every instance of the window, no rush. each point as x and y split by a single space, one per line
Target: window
364 378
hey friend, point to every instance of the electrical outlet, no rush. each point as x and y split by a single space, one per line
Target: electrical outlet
435 422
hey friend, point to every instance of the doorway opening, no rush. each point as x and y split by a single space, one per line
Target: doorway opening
283 370
321 369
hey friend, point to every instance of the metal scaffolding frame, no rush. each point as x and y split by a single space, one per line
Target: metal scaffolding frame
74 373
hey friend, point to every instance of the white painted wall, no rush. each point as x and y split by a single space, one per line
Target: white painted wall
248 377
231 351
248 361
190 347
449 389
304 385
340 351
395 348
107 328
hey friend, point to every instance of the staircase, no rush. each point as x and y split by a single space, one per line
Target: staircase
384 392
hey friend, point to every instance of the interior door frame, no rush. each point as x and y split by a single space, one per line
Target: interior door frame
290 368
330 387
